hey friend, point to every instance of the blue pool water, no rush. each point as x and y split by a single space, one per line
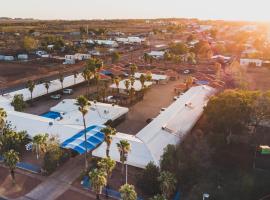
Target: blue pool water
51 115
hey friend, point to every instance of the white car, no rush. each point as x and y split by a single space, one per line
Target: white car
110 99
56 96
68 91
187 71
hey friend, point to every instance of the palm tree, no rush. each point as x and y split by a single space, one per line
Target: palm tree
127 84
142 80
145 57
128 192
116 81
98 180
132 81
3 116
107 165
133 69
87 75
148 77
75 75
31 86
167 183
83 105
47 86
109 132
94 65
11 158
123 148
40 143
61 79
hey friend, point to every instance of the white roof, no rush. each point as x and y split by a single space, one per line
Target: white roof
156 53
155 77
98 114
34 125
139 156
70 124
176 121
137 85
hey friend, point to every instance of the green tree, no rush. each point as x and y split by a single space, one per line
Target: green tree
31 86
107 165
146 57
167 184
115 57
128 192
53 155
94 65
261 109
10 139
148 181
123 148
142 80
83 106
3 116
40 143
133 69
230 112
108 132
127 85
98 180
11 159
18 102
30 43
148 77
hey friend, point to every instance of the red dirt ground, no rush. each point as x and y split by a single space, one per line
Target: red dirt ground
23 185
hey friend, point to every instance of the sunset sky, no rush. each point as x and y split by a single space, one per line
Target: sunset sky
112 9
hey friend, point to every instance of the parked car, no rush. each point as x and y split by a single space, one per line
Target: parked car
56 96
68 91
162 109
187 71
110 99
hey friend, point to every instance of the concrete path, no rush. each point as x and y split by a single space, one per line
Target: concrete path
57 183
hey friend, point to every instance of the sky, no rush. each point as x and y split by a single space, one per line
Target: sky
250 10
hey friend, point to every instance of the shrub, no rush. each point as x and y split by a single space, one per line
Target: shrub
18 103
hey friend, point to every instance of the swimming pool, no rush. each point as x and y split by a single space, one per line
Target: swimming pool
51 115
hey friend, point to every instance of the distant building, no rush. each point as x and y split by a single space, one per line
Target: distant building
249 61
50 46
157 54
130 40
75 33
9 58
22 57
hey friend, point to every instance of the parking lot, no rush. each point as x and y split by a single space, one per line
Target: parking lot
159 96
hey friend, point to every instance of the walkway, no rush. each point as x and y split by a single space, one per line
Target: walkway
57 183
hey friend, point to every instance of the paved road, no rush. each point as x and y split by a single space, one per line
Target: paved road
58 183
